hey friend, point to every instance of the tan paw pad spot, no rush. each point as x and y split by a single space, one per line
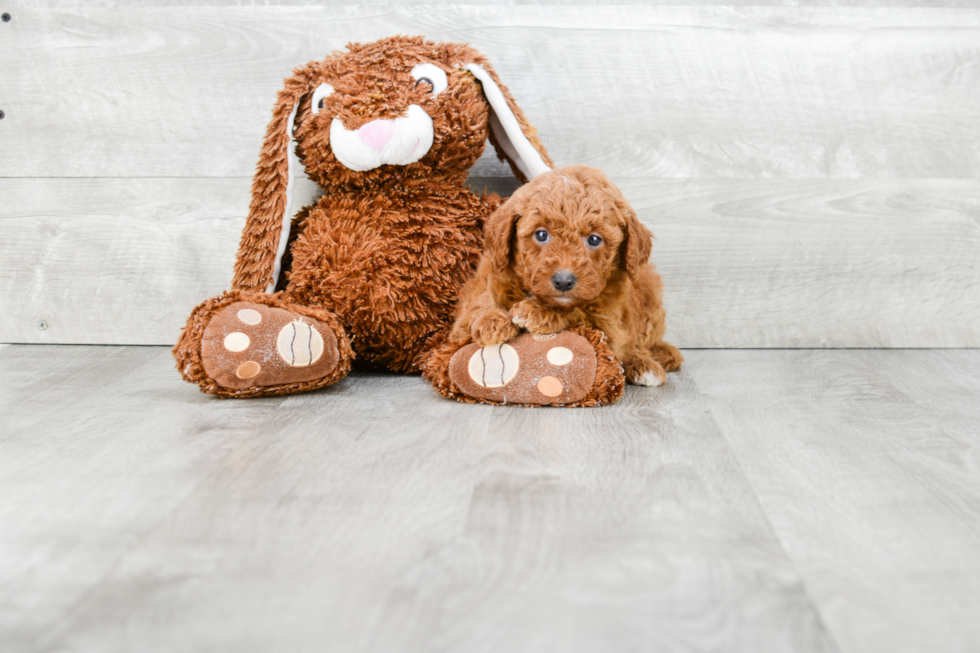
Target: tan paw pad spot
248 370
249 316
237 341
560 355
544 336
549 386
299 344
494 366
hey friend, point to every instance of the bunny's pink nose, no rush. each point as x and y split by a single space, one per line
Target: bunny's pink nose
377 133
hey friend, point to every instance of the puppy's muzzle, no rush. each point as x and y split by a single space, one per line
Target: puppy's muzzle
563 280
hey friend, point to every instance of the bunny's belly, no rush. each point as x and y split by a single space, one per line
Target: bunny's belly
392 280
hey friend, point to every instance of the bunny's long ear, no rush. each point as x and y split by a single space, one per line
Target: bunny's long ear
266 232
512 136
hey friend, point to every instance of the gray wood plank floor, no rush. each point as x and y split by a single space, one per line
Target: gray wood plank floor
806 500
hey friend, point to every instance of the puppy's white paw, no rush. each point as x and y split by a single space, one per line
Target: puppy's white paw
649 379
520 320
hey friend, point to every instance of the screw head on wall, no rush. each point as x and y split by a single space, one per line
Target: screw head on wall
5 18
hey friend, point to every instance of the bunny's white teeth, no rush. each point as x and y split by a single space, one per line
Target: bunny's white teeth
399 142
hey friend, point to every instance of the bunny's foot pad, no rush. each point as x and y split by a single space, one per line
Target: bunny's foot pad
247 344
570 368
261 347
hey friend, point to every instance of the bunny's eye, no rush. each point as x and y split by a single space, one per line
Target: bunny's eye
542 235
432 75
594 240
320 96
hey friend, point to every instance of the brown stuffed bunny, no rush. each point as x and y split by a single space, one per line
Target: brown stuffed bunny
388 130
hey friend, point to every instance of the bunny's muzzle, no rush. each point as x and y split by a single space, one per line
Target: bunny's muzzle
401 141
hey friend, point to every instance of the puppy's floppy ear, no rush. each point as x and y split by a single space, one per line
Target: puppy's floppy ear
266 232
515 140
498 233
638 243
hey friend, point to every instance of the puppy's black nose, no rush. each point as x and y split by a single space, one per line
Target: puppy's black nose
563 280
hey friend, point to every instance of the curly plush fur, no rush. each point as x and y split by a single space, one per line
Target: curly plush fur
570 225
385 251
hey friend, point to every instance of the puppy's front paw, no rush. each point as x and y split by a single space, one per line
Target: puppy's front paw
493 328
536 319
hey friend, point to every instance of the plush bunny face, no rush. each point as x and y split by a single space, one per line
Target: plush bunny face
399 113
380 112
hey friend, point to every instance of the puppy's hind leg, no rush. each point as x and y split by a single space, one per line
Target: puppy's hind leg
642 369
669 356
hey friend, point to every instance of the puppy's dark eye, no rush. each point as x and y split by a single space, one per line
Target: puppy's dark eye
425 80
541 235
322 104
594 240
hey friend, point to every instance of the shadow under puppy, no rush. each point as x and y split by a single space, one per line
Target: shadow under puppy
566 260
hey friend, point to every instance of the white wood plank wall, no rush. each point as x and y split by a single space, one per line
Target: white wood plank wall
812 172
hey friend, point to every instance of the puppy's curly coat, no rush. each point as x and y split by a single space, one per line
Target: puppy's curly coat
567 250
